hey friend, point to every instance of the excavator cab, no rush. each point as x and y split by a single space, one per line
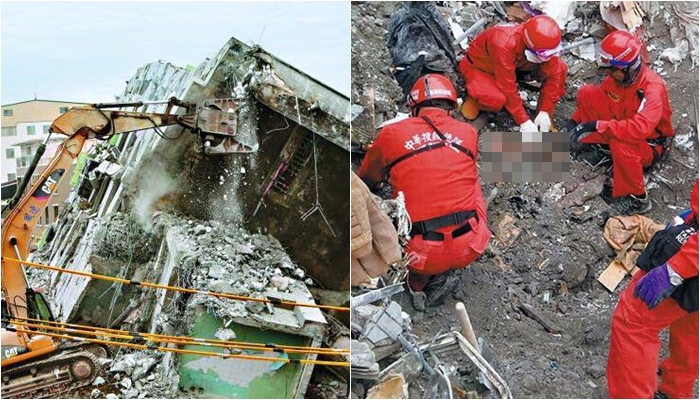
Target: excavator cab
38 307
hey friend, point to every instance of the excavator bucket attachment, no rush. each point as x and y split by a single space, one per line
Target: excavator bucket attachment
223 128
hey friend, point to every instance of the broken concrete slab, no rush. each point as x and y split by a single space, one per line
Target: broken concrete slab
362 356
243 378
384 326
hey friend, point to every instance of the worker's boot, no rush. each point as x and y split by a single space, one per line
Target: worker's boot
440 286
416 283
470 109
639 204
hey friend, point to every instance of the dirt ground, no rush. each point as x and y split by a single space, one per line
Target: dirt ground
560 252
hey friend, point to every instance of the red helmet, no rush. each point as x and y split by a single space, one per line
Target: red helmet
431 87
541 33
619 49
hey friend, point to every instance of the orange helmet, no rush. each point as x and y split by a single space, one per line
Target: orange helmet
541 33
431 87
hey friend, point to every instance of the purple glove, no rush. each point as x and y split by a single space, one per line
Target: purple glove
654 286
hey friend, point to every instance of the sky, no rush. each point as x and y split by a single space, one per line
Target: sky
86 51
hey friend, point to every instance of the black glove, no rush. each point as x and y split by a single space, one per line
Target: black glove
583 130
663 245
569 126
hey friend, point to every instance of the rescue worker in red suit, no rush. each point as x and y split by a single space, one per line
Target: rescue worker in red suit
629 112
431 158
665 296
496 54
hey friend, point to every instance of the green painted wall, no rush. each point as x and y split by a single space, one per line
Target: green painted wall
278 380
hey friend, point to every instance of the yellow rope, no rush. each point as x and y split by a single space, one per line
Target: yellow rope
122 334
174 288
193 352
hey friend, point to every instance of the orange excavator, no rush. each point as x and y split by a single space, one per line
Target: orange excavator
36 365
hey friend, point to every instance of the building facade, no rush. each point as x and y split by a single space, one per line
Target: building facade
26 121
25 126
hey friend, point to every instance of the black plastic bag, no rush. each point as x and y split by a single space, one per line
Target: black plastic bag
419 42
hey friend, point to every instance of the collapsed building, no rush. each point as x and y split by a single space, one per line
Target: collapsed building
268 222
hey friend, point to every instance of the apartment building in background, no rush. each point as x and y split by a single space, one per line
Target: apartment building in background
25 125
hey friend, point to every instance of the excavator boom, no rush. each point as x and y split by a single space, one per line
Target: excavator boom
94 122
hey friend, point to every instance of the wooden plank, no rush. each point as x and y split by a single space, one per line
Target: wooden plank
535 314
613 275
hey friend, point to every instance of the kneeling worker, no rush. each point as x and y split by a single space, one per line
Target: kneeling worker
499 54
629 112
431 158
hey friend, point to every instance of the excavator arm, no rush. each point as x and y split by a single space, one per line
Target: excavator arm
211 124
19 223
79 124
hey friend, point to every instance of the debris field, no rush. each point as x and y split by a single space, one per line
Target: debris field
534 295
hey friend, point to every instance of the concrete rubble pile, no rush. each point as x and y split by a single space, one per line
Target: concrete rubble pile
204 255
151 207
376 97
225 258
374 344
390 361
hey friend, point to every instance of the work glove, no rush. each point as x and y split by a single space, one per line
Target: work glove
654 286
665 244
528 126
583 130
569 126
543 122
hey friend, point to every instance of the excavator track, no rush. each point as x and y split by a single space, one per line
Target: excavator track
71 369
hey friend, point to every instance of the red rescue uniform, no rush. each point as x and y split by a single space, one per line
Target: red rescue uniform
435 183
635 344
489 70
628 117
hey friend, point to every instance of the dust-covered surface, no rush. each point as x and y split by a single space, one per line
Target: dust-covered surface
558 251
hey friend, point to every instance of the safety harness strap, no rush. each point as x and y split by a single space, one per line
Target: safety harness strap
443 143
427 227
456 218
448 143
